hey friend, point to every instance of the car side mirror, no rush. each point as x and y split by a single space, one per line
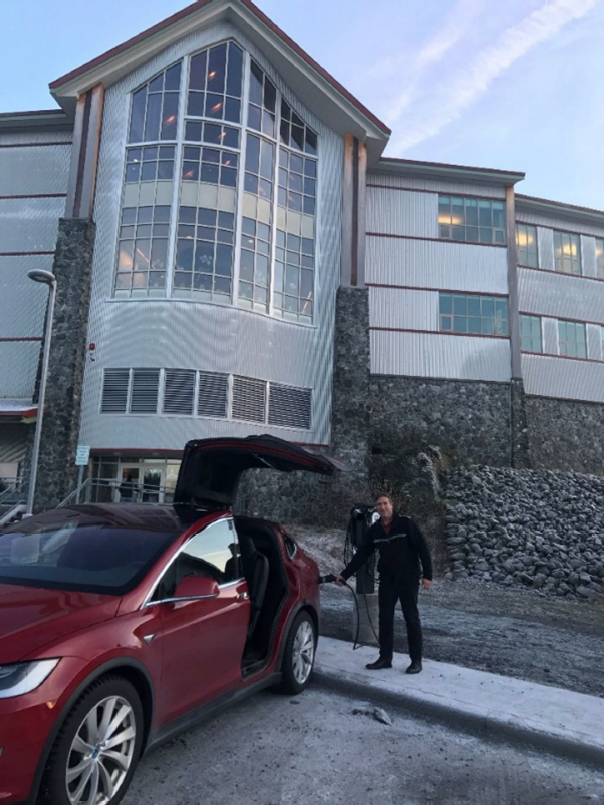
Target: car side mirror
192 587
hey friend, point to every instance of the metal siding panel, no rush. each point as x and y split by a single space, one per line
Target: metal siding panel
428 264
594 342
545 242
436 186
13 442
18 368
537 219
398 212
413 310
29 225
32 171
588 256
550 336
22 302
177 334
26 137
444 356
560 296
563 379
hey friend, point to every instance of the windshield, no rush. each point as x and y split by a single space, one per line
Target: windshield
80 552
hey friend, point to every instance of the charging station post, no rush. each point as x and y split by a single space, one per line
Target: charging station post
365 618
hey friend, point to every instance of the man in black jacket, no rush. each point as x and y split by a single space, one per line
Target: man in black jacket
402 547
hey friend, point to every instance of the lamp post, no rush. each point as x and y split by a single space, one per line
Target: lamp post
46 278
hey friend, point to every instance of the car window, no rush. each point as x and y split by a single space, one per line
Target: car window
80 553
213 553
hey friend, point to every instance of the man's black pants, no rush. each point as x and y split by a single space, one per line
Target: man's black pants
392 590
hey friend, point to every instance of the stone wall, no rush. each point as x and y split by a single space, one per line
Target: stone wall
469 421
535 528
566 435
72 267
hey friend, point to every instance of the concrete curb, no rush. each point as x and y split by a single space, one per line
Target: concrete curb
472 720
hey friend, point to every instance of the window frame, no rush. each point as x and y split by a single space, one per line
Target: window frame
575 325
563 232
476 296
477 201
149 599
169 292
518 247
531 316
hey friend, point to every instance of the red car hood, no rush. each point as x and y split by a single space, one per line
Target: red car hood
31 617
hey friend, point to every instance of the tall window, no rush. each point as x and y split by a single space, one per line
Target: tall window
571 339
143 238
473 314
600 257
530 334
567 253
471 219
526 240
244 228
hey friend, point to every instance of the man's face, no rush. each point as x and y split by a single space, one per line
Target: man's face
384 507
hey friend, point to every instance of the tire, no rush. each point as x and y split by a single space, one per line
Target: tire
111 699
299 655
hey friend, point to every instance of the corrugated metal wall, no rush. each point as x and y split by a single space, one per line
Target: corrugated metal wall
435 186
429 264
411 310
178 334
564 379
402 212
560 296
549 221
31 164
444 356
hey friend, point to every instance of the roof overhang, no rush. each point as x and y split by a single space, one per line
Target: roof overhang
557 209
328 99
439 170
44 119
18 411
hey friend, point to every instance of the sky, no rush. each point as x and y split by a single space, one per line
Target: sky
516 85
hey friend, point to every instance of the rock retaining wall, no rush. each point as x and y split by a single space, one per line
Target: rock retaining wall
536 528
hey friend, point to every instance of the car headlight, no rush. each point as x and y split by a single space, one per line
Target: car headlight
23 677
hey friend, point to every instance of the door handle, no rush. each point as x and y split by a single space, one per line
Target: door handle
243 596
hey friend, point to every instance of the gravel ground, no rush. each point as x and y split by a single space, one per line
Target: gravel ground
273 750
514 632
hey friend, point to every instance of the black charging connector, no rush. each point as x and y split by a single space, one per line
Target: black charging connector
329 579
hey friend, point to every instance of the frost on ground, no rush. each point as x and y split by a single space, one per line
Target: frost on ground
511 631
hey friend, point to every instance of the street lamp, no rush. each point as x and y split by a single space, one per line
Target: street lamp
46 278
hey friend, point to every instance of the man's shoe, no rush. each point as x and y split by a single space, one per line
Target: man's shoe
414 668
378 665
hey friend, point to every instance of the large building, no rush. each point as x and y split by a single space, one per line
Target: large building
234 255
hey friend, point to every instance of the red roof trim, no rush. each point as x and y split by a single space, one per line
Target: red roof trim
25 413
192 9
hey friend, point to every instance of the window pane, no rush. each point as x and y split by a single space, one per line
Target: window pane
233 86
173 77
216 69
446 303
153 118
170 116
460 305
137 122
197 73
460 324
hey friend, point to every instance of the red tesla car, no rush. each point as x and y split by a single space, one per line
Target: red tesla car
123 624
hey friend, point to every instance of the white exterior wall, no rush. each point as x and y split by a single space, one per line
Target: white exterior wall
555 296
166 333
33 180
404 253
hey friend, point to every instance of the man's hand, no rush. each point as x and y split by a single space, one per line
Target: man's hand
340 581
426 584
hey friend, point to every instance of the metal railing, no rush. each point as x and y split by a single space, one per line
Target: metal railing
12 490
100 490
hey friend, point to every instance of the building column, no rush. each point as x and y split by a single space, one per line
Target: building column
519 436
72 268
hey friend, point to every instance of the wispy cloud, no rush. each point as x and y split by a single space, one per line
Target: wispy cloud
463 88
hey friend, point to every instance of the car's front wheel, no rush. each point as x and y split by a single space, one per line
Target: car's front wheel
299 655
98 747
